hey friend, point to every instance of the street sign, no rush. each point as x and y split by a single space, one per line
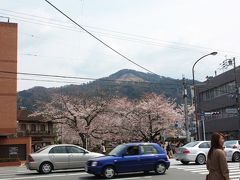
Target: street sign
201 114
231 110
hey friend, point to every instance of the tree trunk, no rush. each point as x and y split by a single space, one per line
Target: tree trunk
83 138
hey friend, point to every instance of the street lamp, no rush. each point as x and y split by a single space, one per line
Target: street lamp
194 98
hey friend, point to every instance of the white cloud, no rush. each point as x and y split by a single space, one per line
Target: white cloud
211 24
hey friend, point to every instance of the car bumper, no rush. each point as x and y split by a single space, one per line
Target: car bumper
167 163
32 166
93 170
184 157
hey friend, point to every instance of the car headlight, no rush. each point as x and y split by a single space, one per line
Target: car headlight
94 163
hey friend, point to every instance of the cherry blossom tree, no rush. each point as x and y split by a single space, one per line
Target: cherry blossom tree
115 120
152 116
76 114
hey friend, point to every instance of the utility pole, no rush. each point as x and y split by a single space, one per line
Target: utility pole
186 109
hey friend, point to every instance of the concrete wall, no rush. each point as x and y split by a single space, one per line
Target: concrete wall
8 82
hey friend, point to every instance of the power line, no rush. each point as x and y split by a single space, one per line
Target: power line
154 42
99 39
74 77
39 80
126 36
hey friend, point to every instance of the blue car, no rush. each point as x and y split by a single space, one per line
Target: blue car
130 157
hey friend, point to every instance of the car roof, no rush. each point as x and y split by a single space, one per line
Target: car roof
55 145
139 143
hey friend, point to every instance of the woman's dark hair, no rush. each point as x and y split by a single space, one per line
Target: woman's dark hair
215 143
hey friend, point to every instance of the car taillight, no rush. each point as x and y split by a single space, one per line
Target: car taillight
30 159
166 158
186 151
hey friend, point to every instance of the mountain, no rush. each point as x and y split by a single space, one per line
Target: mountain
130 83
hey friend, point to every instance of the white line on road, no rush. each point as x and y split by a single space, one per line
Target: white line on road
42 176
145 177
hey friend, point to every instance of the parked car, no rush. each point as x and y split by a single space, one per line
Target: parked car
197 152
232 144
62 156
130 157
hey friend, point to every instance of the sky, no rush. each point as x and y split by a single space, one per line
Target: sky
164 36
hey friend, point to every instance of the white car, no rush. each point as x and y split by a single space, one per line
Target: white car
232 154
193 152
197 152
232 144
61 156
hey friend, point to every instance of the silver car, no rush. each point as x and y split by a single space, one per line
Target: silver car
193 152
62 156
197 152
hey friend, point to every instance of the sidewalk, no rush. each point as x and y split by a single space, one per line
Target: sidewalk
16 164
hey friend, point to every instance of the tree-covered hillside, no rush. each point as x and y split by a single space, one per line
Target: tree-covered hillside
124 83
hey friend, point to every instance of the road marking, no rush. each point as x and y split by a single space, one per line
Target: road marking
234 170
145 177
43 176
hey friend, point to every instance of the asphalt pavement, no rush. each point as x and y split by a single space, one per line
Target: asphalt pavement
177 171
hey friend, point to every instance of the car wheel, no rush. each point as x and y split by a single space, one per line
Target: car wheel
109 172
45 168
160 168
201 159
185 162
236 157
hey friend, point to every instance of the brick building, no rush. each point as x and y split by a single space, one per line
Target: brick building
10 147
8 62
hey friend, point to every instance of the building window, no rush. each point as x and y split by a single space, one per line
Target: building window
218 91
33 127
23 127
42 127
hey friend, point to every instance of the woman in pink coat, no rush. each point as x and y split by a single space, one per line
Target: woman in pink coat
216 159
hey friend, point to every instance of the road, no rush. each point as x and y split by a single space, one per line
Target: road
177 171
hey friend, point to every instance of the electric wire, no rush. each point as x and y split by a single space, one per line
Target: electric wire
115 84
38 55
82 78
182 45
135 40
100 39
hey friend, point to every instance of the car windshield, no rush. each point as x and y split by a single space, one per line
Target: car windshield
117 150
229 143
40 150
191 144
